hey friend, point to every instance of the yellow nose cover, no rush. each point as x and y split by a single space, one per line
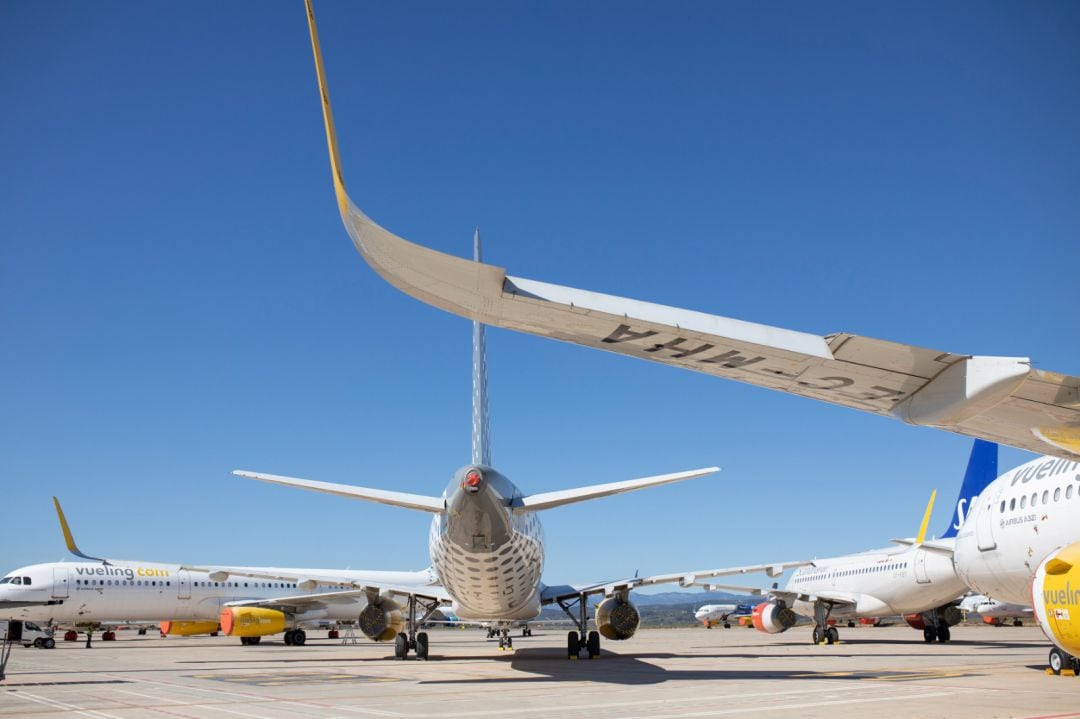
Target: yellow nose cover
1056 597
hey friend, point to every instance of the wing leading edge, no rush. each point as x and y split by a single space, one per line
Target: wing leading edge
1001 399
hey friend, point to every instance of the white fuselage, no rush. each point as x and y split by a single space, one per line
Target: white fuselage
714 612
995 609
1020 518
128 591
878 583
489 558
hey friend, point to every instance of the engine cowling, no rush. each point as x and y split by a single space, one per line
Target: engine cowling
1055 597
187 629
951 615
617 618
382 620
772 618
915 621
251 621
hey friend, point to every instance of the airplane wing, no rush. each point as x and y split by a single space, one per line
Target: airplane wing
837 599
559 592
1001 399
308 582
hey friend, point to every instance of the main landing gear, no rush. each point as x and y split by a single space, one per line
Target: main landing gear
578 640
250 641
295 637
1063 663
410 639
936 627
526 631
823 633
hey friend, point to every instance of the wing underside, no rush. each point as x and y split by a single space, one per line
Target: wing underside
1001 399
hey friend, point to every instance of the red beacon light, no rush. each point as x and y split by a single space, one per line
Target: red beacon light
472 481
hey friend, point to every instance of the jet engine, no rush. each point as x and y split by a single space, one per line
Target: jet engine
1055 594
382 620
617 618
251 621
773 618
949 614
187 629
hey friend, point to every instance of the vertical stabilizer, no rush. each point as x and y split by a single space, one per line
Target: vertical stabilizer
481 424
982 469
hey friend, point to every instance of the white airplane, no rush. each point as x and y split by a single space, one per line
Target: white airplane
1000 399
996 612
713 614
109 593
1020 544
487 546
915 579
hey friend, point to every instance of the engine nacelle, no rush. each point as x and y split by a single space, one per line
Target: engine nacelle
617 618
772 618
1056 600
382 620
251 621
187 629
951 615
915 621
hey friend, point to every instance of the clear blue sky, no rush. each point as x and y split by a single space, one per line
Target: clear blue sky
178 297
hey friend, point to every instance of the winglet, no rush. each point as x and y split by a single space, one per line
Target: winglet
328 115
926 518
69 539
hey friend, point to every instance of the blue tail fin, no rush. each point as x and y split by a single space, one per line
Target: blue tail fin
982 469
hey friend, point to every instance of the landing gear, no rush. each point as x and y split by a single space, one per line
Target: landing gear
1018 623
943 633
410 639
850 624
505 642
581 639
1063 662
526 631
727 625
251 641
823 633
295 637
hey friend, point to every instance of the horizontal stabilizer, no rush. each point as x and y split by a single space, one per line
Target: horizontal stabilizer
547 500
380 496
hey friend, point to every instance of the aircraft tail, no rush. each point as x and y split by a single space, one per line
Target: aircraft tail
481 421
982 469
69 538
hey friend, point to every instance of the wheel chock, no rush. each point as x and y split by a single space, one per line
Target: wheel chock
573 657
1049 672
1068 672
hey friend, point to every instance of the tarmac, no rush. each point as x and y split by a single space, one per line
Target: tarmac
884 671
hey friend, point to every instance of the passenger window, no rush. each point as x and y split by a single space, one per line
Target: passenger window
1033 498
1012 504
1023 501
1002 506
1068 492
1046 496
1057 493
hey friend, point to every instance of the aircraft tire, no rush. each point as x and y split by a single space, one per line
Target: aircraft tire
727 625
592 644
1058 660
943 633
832 636
573 645
929 635
818 635
288 638
401 646
422 645
299 637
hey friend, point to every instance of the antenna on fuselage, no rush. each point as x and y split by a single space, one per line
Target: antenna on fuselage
481 423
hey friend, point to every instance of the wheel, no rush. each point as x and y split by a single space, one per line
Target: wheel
819 635
928 634
727 625
1018 623
142 632
27 646
509 643
593 644
573 645
422 645
943 633
850 624
37 643
48 643
1058 660
832 635
288 638
401 646
299 636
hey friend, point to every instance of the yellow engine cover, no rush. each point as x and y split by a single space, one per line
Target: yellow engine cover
186 629
251 621
1055 593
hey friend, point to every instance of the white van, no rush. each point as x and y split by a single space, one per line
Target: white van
32 635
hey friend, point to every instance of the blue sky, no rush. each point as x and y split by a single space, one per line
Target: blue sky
178 297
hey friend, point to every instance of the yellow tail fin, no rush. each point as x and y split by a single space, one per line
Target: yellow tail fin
926 518
328 115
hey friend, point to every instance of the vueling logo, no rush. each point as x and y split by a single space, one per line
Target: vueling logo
1068 595
126 572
